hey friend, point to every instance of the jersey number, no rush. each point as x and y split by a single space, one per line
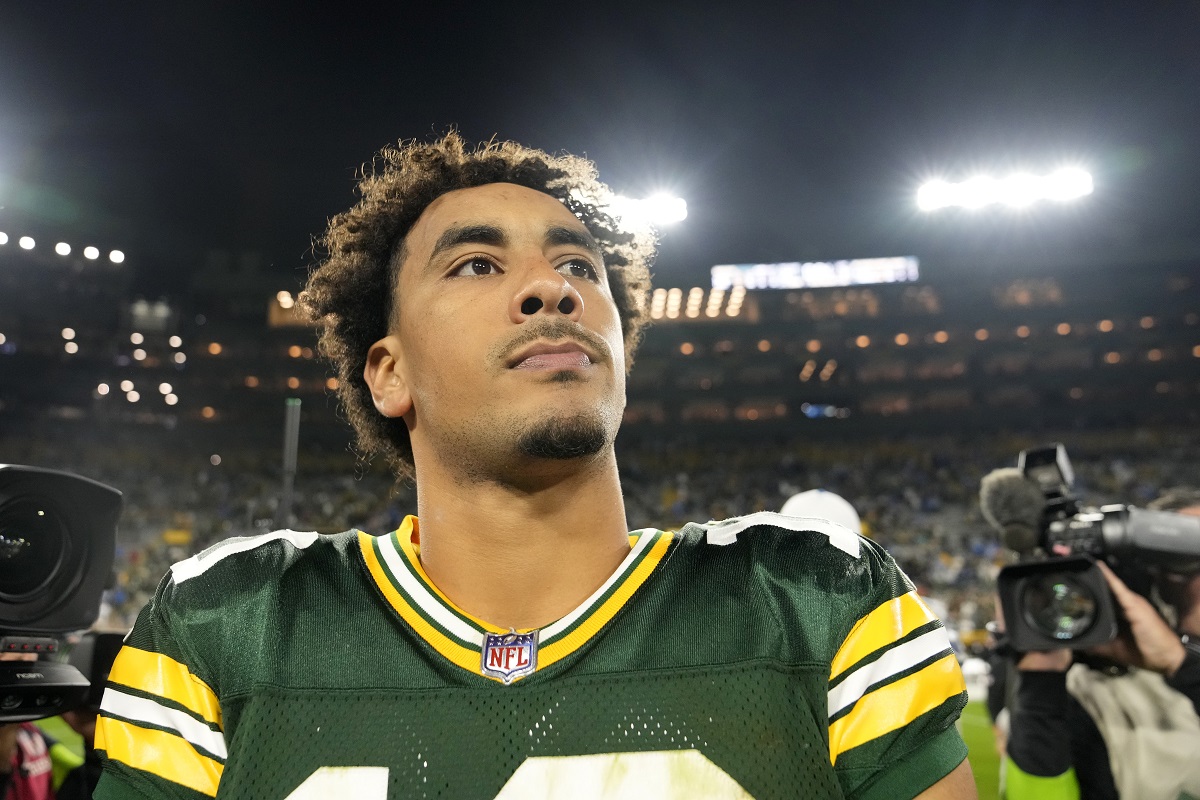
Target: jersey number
672 775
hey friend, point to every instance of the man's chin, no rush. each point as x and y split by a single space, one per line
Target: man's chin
565 438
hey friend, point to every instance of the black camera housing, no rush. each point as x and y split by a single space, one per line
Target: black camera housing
57 543
1042 595
1029 593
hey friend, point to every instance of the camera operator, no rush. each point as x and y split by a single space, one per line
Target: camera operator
1121 720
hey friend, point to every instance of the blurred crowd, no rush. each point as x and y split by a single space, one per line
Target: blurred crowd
916 496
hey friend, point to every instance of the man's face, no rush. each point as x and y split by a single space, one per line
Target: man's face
506 342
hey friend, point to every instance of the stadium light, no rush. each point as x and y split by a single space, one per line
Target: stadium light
91 253
1019 190
26 242
659 209
3 237
116 256
63 249
656 210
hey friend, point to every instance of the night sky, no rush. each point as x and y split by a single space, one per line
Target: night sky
795 131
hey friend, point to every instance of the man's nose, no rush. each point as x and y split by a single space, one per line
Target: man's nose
547 292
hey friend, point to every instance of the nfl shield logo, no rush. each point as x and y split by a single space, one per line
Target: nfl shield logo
509 656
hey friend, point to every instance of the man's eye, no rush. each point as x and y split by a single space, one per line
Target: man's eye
476 266
578 268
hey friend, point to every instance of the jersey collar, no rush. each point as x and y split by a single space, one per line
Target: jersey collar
395 566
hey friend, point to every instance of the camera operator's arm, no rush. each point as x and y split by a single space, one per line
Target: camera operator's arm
1149 642
1039 763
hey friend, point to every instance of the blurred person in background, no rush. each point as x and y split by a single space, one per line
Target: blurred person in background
1123 719
823 505
26 768
482 310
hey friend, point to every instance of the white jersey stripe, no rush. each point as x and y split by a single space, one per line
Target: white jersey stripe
895 661
844 539
644 541
139 709
200 563
430 605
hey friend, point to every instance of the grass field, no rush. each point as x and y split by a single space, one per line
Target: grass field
981 750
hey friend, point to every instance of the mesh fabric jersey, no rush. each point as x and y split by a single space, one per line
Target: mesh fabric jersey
737 659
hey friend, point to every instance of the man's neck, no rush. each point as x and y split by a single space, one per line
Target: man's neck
522 557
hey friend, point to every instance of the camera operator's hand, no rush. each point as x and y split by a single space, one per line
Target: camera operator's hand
1045 661
1148 642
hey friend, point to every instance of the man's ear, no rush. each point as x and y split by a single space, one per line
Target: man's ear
384 378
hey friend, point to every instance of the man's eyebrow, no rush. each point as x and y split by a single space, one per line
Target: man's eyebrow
559 235
467 234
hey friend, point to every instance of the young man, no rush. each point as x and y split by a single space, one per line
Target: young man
517 641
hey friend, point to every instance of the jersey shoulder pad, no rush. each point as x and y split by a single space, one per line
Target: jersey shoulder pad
726 532
235 548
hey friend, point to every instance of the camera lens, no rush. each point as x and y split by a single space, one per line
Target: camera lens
1059 606
33 542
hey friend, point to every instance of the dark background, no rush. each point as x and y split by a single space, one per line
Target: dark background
795 131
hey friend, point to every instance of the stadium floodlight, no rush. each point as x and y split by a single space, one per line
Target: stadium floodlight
91 253
659 209
1019 190
3 237
26 242
63 249
116 256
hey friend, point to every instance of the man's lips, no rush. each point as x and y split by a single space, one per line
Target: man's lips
566 355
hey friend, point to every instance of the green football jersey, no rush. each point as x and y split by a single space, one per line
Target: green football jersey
760 657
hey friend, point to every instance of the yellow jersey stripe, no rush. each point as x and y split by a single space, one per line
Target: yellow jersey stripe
464 657
412 555
166 678
895 705
600 617
893 620
159 753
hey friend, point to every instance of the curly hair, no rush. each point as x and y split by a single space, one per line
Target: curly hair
351 293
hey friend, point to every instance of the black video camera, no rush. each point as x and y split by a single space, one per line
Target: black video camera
1056 596
57 541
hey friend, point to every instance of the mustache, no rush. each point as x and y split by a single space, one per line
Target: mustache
552 330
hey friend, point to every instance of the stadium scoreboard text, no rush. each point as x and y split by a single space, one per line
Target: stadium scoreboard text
816 274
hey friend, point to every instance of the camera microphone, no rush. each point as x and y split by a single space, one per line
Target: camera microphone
1012 504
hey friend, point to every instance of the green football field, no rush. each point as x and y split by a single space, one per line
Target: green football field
981 750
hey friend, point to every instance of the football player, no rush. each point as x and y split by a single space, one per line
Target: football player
514 639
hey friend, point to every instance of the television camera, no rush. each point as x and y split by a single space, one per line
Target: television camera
1056 596
57 541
